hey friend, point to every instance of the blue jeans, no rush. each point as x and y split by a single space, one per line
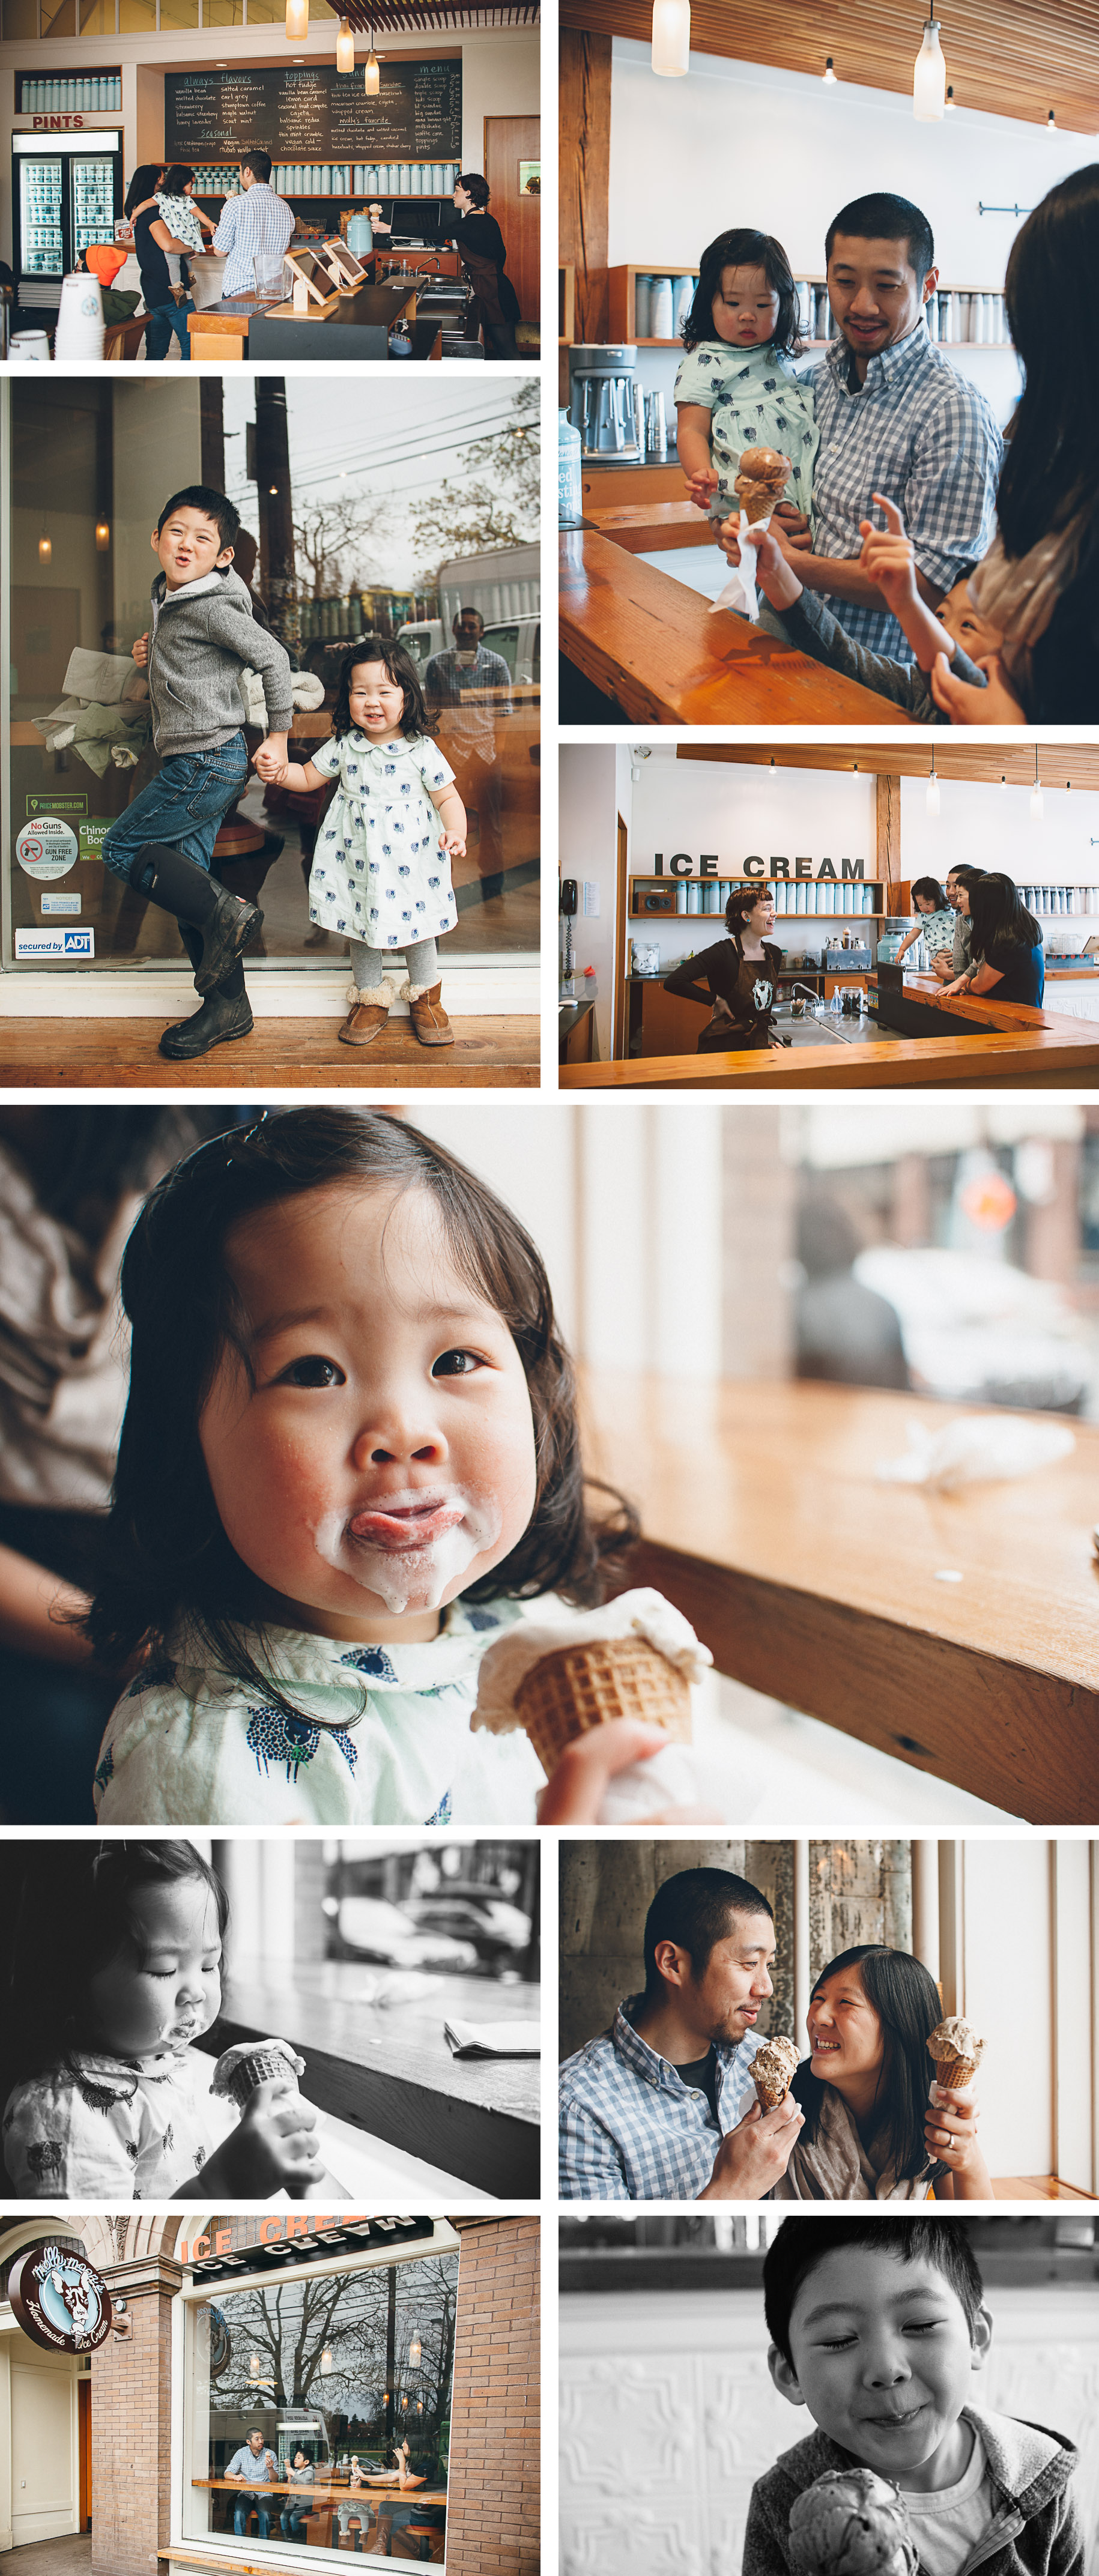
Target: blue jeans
160 322
291 2521
184 805
241 2511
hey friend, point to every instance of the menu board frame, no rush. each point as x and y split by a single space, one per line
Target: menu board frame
313 112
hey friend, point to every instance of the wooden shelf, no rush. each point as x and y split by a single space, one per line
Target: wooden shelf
646 878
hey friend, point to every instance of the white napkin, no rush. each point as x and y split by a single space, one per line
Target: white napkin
740 589
978 1449
493 2038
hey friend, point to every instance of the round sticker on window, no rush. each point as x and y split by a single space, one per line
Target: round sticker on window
46 847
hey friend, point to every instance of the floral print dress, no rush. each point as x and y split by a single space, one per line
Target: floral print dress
378 872
755 398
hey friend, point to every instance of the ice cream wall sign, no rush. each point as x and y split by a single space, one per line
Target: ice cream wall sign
372 2234
57 2299
798 870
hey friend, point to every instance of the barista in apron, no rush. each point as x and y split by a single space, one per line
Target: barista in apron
482 254
738 977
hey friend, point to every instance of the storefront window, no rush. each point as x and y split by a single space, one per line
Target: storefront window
97 17
92 465
137 17
59 17
177 13
310 2399
223 13
19 19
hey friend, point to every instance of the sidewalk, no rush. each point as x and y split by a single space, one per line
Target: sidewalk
54 2557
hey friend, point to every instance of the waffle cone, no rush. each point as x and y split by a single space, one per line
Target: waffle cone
567 1693
770 2093
953 2072
264 2066
757 506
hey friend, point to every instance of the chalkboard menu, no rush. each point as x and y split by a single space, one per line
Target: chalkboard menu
315 115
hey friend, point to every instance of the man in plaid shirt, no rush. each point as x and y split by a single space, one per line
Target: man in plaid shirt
896 417
662 2105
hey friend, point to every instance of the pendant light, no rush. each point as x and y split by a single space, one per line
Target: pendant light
671 38
829 73
951 102
297 21
345 48
45 546
371 73
102 536
929 75
1051 123
933 790
1037 801
772 772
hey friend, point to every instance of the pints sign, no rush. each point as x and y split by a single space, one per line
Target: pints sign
58 2300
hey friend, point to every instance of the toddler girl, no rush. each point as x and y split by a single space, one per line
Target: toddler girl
350 1451
184 220
381 867
736 388
114 1972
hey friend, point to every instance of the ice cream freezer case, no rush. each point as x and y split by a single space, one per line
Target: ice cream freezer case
66 193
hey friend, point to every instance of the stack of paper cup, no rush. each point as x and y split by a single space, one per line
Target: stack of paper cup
79 332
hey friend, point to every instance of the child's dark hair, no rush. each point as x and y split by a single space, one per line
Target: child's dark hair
802 2243
213 505
176 180
166 1556
905 1998
930 887
693 1908
744 249
403 672
69 1911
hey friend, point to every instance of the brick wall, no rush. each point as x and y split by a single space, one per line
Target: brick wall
493 2493
131 2423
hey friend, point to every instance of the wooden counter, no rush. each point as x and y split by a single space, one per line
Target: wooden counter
389 2070
656 647
763 1520
1007 1044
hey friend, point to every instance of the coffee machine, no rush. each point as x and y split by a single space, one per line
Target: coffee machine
607 405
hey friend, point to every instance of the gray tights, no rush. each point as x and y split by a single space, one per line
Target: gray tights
368 965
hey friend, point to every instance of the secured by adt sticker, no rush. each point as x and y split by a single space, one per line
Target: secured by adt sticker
46 847
55 943
60 902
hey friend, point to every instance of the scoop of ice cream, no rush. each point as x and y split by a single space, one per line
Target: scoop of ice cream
763 465
252 2062
851 2523
773 2067
956 2037
635 1614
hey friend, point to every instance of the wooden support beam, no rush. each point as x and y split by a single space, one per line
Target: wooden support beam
584 108
889 838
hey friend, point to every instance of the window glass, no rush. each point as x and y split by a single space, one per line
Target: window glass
59 17
137 17
223 13
93 465
319 2411
97 17
19 19
178 13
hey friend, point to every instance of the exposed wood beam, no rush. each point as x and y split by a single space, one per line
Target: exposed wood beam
584 124
1060 764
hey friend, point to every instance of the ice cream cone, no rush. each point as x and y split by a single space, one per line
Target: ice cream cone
957 2053
568 1692
757 506
260 2061
773 2066
851 2523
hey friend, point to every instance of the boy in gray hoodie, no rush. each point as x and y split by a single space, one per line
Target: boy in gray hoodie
879 2329
203 636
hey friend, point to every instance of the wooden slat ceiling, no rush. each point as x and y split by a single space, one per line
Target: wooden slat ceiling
1060 764
1009 57
433 16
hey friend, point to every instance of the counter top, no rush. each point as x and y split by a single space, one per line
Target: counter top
763 1520
657 647
997 1043
357 325
389 2070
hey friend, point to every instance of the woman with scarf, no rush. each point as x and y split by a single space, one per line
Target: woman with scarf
870 2131
1039 582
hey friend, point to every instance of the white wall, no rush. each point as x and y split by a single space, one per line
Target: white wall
694 806
589 802
990 827
740 143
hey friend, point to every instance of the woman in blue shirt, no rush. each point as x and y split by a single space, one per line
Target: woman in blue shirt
1006 945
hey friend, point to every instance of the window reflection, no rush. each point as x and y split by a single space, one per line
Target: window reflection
321 2411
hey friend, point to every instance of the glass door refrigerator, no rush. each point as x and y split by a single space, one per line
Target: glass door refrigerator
67 192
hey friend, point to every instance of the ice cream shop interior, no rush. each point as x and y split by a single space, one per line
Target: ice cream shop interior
853 846
679 124
368 121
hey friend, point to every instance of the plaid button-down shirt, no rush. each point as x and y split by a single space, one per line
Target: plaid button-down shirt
922 434
631 2129
255 222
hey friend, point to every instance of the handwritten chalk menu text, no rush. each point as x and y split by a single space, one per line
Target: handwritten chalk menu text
321 115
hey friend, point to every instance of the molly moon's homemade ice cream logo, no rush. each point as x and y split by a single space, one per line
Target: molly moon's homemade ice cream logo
58 2300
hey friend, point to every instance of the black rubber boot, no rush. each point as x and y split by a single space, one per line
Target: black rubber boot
223 1016
181 887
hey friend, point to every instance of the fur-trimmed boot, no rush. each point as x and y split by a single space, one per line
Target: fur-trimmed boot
370 1009
429 1020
